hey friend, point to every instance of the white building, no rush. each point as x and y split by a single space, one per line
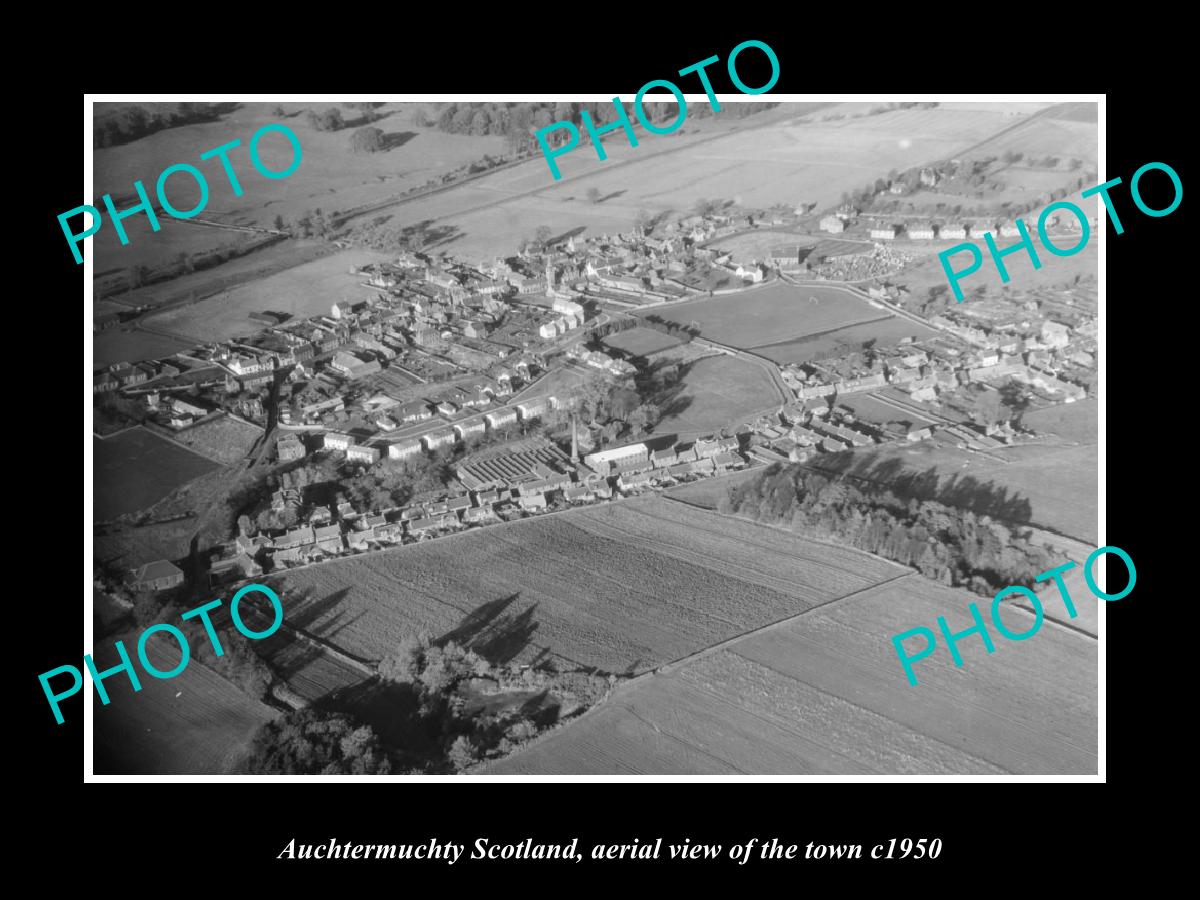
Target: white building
404 449
336 441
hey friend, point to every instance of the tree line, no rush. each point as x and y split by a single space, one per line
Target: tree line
132 122
947 544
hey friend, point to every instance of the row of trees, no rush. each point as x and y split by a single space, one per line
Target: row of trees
133 122
518 121
313 742
948 544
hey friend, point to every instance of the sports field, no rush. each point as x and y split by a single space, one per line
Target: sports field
136 468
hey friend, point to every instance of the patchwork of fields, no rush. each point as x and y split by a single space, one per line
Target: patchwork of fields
136 468
825 694
622 587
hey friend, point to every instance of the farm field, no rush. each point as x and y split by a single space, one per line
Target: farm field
718 391
329 177
623 587
123 344
1078 421
1049 135
641 341
792 160
136 468
707 492
304 290
770 315
825 694
194 724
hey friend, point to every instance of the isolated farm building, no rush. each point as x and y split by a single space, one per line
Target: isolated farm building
443 437
404 449
948 232
920 232
833 225
369 455
289 448
335 440
156 576
883 232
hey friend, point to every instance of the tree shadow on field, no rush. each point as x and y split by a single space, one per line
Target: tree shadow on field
396 139
984 498
613 196
493 631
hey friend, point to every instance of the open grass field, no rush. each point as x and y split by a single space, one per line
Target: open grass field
868 409
623 587
225 439
1055 271
1078 421
641 341
1049 135
305 290
770 315
129 345
194 724
330 176
718 391
825 694
771 157
886 331
137 468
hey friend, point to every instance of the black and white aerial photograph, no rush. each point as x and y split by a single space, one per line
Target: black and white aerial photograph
466 438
